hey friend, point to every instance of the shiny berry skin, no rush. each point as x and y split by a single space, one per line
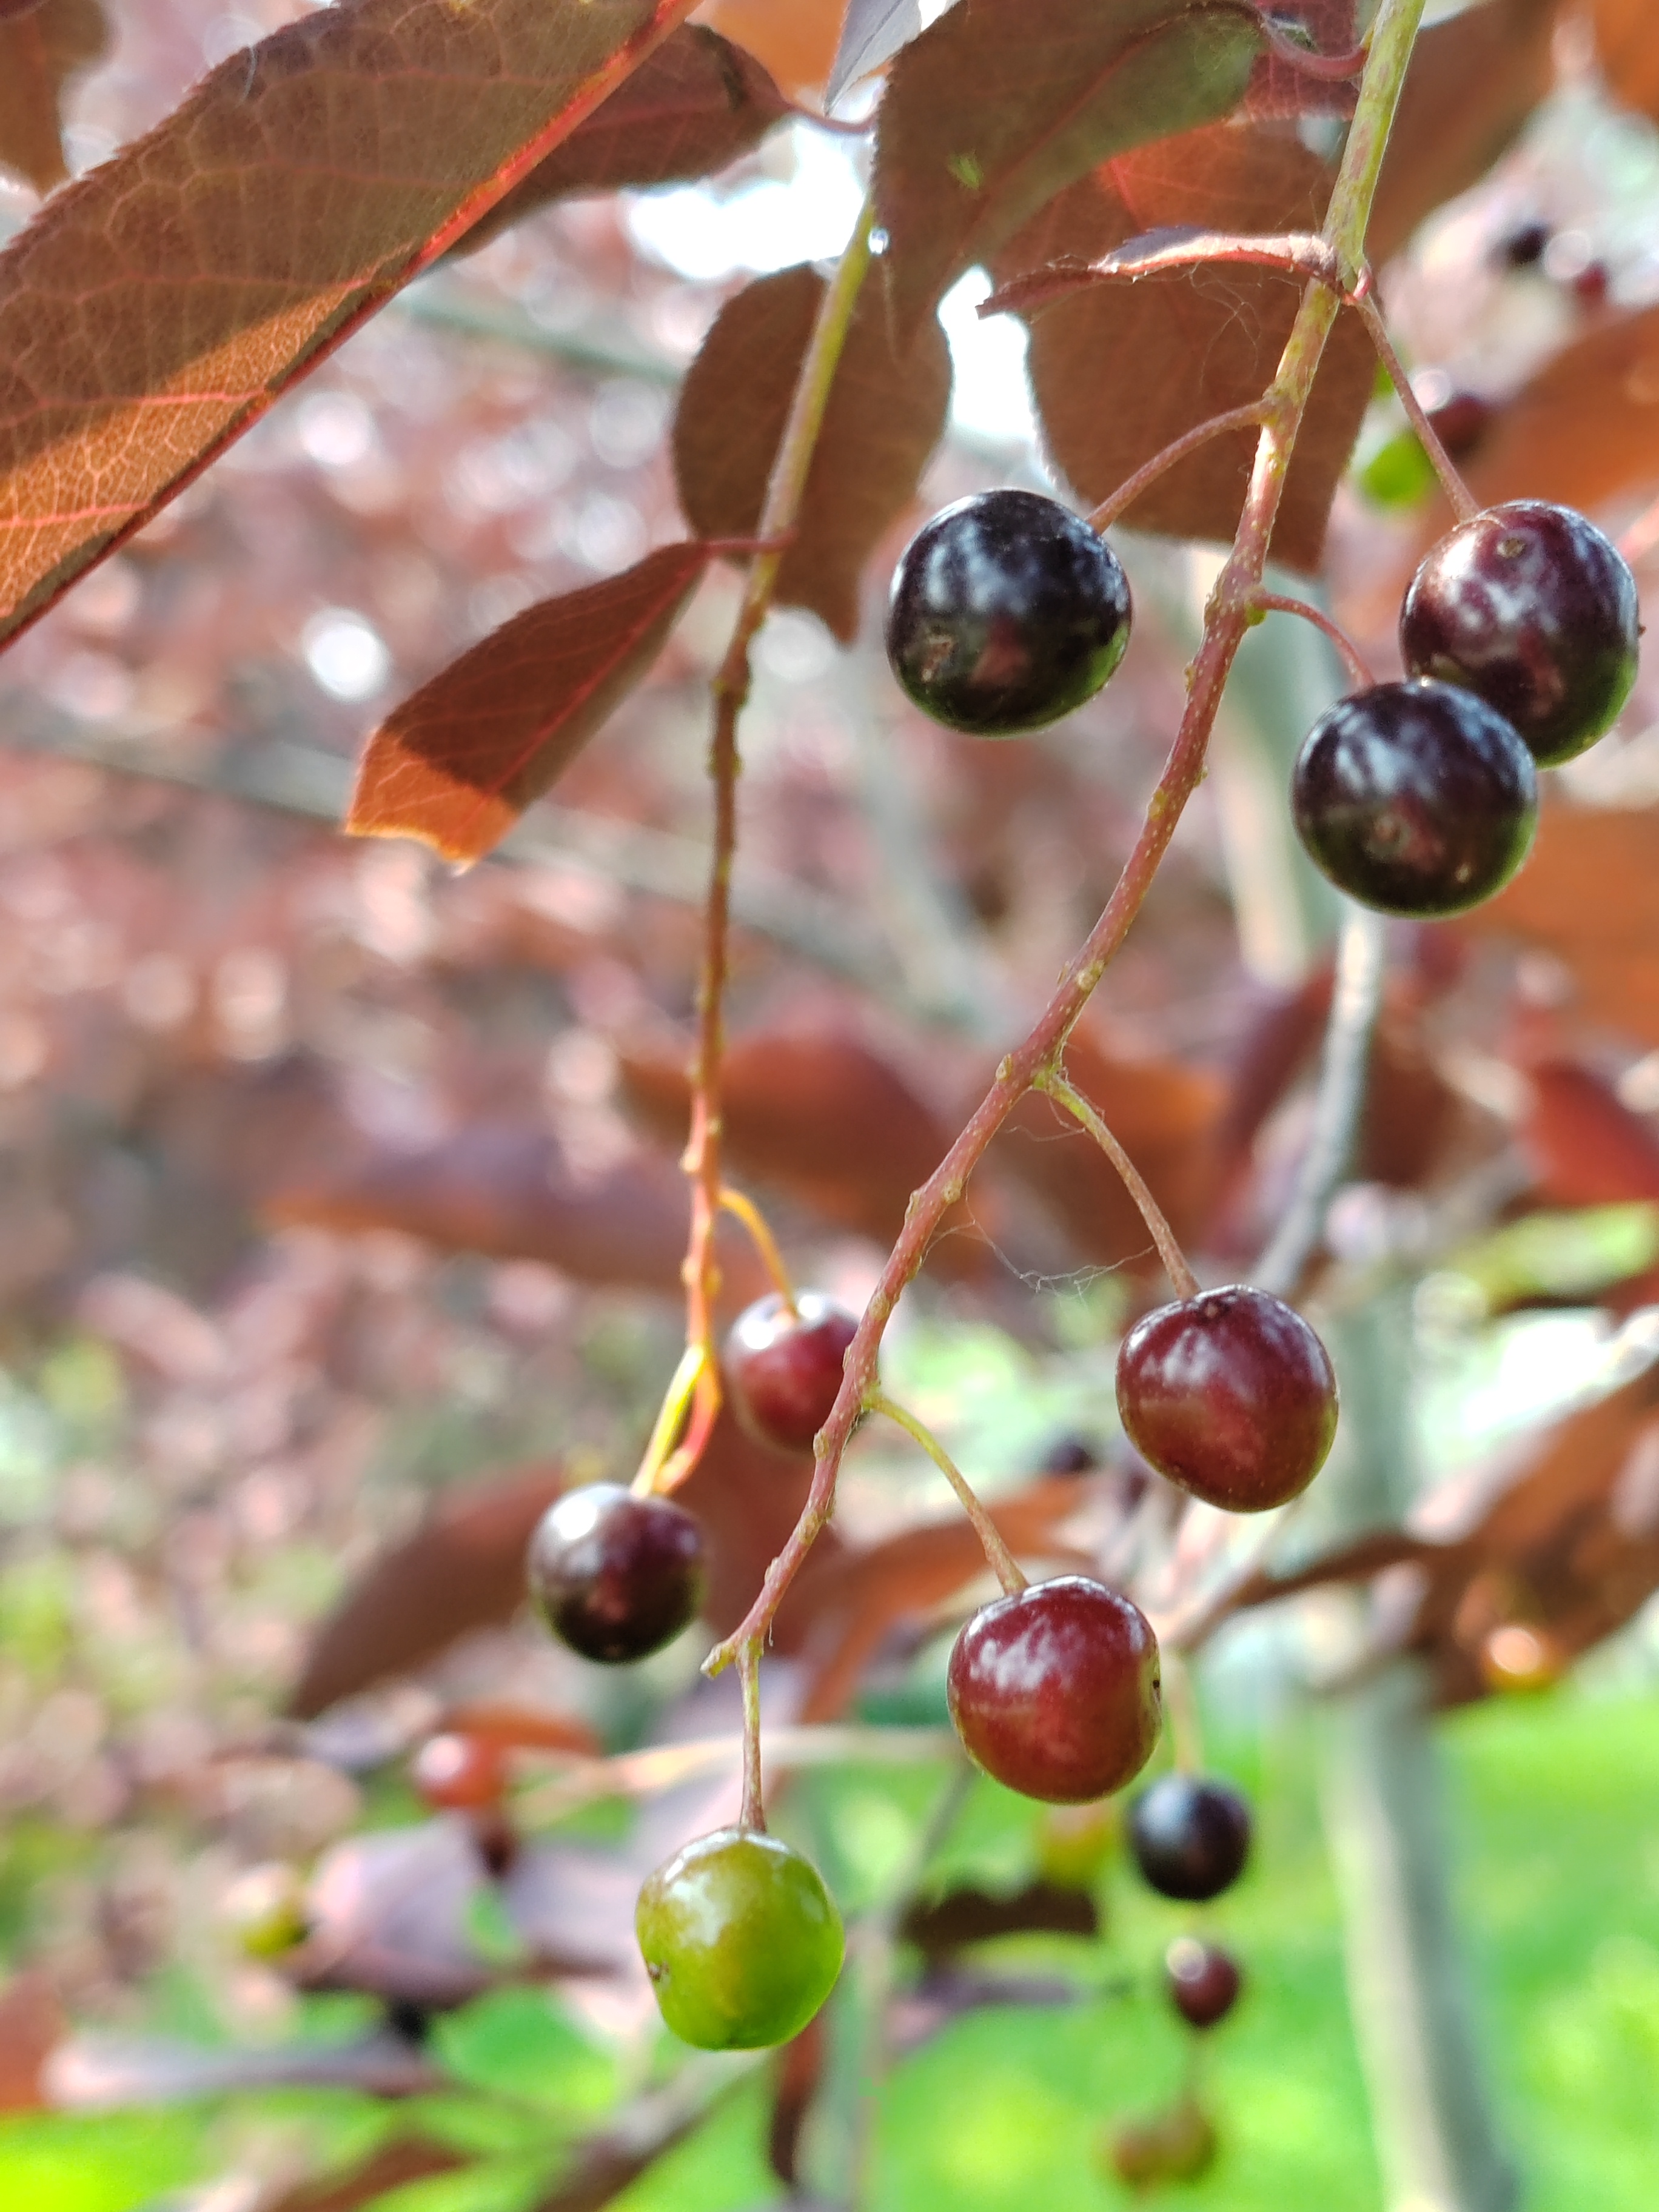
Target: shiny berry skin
1006 612
459 1773
1230 1395
1203 1980
1531 609
783 1369
741 1940
1415 799
1190 1838
1056 1690
617 1575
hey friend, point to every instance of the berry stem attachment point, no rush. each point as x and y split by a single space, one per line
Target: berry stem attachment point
1236 418
753 1814
1168 1247
671 1418
1004 1565
1353 659
746 1211
1464 503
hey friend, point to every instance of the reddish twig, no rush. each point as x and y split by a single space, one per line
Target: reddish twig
1236 418
1353 660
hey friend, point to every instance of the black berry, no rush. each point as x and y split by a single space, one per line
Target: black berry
1531 608
617 1575
1415 799
1056 1690
1230 1395
1203 1980
783 1369
1190 1838
1006 612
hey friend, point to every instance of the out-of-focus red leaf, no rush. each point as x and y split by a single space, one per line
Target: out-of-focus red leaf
1585 427
395 2164
886 414
1472 84
1627 47
459 761
1585 1148
845 1609
1590 894
518 1728
748 1497
150 315
1278 88
940 1924
689 109
1119 372
462 1569
797 42
39 52
799 2069
1003 103
1166 1116
817 1113
32 2026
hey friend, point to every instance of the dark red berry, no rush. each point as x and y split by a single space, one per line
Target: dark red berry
1531 608
1592 284
1190 1838
459 1773
1415 799
617 1575
1230 1395
1525 245
783 1369
1203 1980
1006 612
1055 1690
1460 421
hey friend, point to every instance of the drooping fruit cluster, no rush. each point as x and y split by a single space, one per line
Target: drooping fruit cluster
783 1366
617 1575
1519 632
741 1940
1055 1690
1006 612
1230 1395
1190 1837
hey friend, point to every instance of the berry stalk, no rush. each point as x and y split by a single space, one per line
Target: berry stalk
1004 1565
1168 1248
1227 618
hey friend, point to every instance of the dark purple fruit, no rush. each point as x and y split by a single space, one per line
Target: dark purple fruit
1415 799
1055 1691
1006 612
1524 246
617 1575
1461 422
1190 1838
1230 1395
783 1369
1531 609
1203 1980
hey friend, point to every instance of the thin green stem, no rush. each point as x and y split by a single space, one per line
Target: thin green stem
1004 1565
753 1814
1464 504
670 1417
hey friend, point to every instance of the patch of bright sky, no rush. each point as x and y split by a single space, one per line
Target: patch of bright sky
706 234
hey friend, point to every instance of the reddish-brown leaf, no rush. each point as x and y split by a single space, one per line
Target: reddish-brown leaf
395 2164
459 761
1590 894
1585 1148
519 1727
796 41
39 52
152 312
884 416
689 109
1279 88
1627 47
462 1569
1585 427
815 1112
1003 103
939 1925
1119 372
1472 84
32 2026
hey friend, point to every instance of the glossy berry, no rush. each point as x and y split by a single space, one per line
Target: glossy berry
1190 1838
265 1908
1203 1980
1006 612
1514 1658
1524 246
1461 422
1055 1691
1415 799
783 1369
1230 1395
741 1940
459 1773
617 1575
1179 2145
1531 608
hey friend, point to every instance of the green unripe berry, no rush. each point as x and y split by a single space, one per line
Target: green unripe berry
741 1939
